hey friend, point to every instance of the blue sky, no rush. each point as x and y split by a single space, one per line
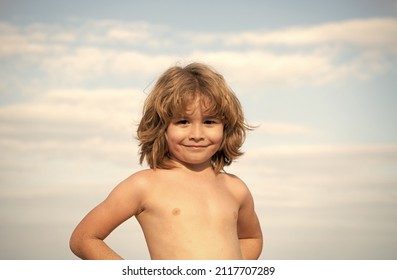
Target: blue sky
217 15
317 77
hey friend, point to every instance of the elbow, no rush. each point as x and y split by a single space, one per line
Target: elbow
260 249
75 242
251 248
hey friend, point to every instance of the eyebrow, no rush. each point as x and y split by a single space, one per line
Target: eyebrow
205 116
212 117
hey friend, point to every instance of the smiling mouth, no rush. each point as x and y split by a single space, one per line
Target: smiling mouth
195 147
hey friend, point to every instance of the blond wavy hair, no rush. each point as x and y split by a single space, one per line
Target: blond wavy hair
173 91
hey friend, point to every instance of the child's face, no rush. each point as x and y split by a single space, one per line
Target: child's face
194 137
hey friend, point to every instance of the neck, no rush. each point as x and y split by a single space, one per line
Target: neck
204 168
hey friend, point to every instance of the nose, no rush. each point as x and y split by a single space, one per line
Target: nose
196 133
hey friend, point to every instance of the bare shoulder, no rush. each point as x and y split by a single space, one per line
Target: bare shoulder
235 185
140 179
136 185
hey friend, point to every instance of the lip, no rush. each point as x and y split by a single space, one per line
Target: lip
195 146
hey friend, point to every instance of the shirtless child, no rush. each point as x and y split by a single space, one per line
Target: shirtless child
188 207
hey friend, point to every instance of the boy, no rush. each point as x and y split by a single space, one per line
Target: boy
187 206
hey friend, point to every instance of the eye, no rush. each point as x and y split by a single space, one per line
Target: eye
182 122
211 121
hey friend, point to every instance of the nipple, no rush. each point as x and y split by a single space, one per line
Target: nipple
176 211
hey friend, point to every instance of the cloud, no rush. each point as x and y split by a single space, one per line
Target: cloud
265 69
72 93
322 187
34 40
321 197
86 52
363 33
76 107
250 68
119 34
278 174
72 123
282 128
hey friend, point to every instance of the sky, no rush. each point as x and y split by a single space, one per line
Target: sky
317 78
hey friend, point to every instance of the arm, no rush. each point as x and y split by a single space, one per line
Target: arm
122 203
248 227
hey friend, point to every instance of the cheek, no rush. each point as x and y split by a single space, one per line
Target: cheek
217 136
173 135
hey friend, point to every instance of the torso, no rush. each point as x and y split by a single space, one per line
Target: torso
190 217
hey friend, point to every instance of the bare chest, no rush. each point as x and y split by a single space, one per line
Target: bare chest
193 202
